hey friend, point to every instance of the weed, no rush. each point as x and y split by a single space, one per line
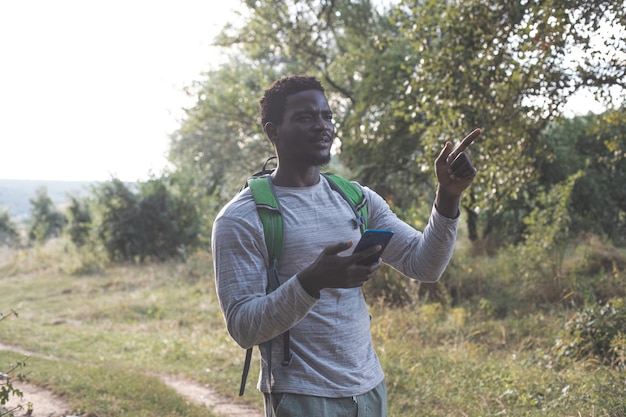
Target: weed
596 332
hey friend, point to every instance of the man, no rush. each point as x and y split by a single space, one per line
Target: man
334 369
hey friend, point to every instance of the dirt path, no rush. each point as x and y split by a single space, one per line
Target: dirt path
46 404
210 399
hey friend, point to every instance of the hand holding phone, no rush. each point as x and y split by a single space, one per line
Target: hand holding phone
373 237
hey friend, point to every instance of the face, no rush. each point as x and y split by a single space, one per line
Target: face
306 133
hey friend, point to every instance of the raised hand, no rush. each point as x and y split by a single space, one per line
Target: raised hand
455 171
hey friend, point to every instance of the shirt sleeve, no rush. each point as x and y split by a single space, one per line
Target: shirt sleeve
240 263
420 255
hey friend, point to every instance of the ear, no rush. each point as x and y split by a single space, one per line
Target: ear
271 131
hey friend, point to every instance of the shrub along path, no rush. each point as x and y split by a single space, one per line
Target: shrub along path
47 404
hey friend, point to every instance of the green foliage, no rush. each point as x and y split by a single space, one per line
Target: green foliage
548 225
7 390
505 71
169 222
490 284
116 220
594 146
522 277
515 281
391 288
405 79
597 332
9 235
529 274
79 221
599 272
46 221
220 142
151 223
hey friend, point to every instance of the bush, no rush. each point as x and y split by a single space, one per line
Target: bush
152 223
597 332
596 270
391 288
47 222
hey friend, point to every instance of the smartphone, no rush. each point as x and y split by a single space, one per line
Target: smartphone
373 237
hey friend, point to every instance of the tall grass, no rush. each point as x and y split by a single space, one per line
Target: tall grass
476 346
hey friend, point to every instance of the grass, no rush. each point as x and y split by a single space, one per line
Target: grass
127 321
102 335
488 368
106 388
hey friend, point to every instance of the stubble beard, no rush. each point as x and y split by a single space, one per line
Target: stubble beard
316 160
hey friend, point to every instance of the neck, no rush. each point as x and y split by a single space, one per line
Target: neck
307 177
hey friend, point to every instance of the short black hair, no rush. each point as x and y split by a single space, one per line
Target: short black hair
272 104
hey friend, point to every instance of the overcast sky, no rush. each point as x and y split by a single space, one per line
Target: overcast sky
91 89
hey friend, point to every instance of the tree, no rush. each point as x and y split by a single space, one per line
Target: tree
46 220
506 67
169 223
115 220
79 221
594 146
8 230
220 139
220 142
404 80
150 223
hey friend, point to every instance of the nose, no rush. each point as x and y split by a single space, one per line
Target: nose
323 124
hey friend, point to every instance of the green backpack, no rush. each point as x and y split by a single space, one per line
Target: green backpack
269 212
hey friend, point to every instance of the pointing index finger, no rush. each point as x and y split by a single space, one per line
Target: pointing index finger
467 140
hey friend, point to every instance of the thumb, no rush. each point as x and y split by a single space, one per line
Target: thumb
443 155
337 248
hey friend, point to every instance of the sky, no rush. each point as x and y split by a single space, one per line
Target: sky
92 89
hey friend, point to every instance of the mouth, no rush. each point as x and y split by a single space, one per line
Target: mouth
323 144
323 140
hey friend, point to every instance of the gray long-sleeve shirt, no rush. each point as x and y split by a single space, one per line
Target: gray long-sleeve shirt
330 337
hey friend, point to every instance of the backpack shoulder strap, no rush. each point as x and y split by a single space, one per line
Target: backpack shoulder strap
353 194
269 213
272 221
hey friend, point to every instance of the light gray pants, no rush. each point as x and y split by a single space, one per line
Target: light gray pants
370 404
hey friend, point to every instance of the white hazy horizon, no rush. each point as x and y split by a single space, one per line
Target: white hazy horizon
91 90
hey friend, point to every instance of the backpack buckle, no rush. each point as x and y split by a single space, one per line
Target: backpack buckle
358 223
286 361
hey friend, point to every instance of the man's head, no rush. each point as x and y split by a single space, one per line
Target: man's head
298 121
272 104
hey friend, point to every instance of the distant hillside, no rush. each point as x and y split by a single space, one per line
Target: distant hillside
15 195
